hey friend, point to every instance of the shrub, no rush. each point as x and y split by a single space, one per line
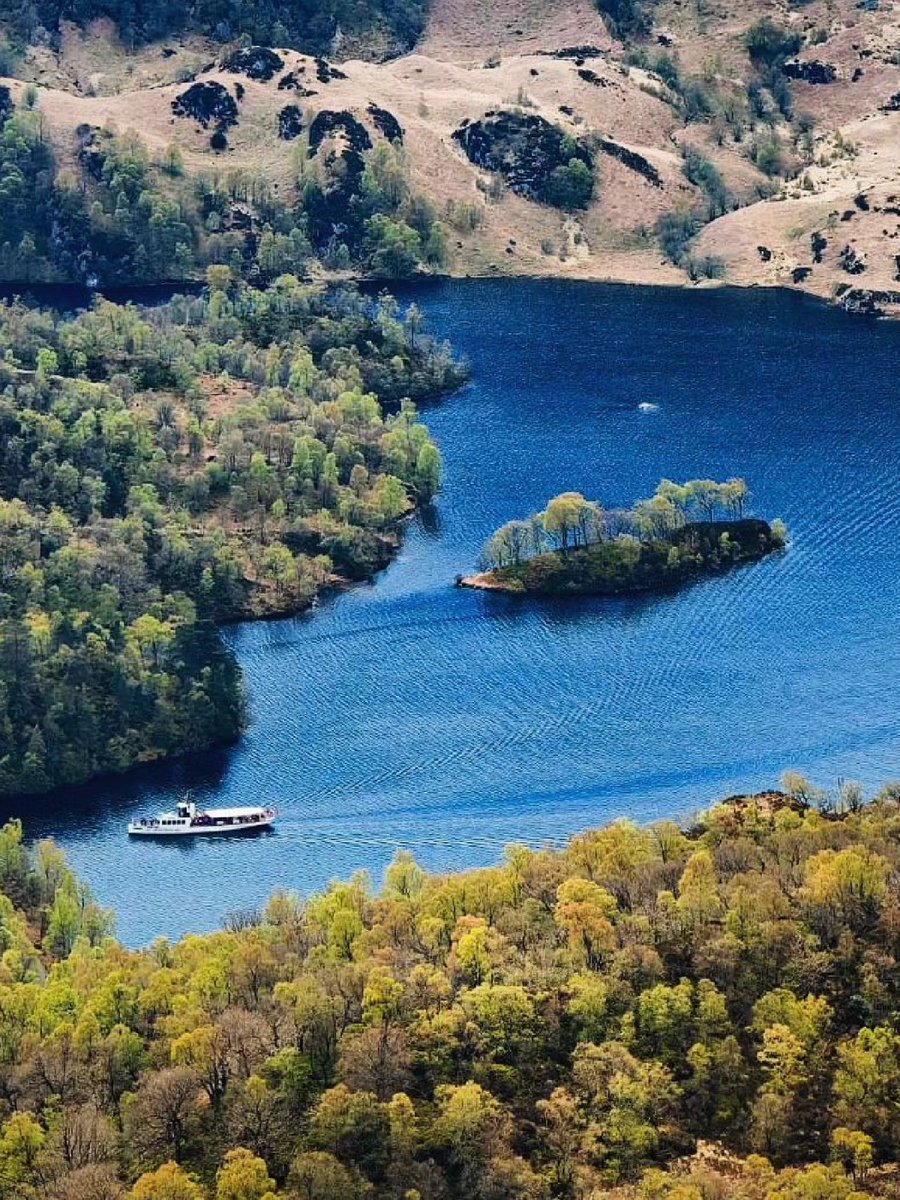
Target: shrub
767 156
625 18
768 43
703 174
570 187
675 230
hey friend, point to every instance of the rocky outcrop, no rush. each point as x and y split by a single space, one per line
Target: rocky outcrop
632 160
256 62
328 122
290 122
534 157
812 71
386 123
869 302
207 103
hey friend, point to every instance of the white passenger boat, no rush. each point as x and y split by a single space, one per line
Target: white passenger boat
187 820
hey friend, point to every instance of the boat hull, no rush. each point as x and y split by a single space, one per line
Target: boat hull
156 830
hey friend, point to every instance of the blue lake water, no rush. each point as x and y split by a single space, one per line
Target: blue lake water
412 714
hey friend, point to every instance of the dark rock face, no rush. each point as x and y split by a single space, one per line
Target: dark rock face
810 72
818 244
292 82
290 122
91 154
386 123
867 302
208 103
575 52
325 72
592 77
851 261
632 160
334 213
528 152
256 62
327 122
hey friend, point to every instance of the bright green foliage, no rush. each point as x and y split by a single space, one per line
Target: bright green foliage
243 1176
221 457
575 545
548 1029
119 215
168 1182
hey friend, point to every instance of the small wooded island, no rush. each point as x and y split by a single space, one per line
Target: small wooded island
575 546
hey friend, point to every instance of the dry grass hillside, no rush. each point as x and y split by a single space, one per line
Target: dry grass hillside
841 186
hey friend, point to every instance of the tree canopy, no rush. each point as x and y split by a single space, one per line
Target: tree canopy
575 545
677 1011
118 215
161 471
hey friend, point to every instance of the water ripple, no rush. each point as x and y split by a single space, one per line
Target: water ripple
450 723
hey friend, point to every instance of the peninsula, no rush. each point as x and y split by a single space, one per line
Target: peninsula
576 547
165 471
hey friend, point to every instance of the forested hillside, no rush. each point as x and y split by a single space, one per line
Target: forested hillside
646 142
559 1026
121 216
311 25
160 472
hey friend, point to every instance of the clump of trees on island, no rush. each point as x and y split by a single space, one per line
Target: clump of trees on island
161 471
576 543
660 1013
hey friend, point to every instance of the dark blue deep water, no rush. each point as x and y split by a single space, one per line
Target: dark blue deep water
411 714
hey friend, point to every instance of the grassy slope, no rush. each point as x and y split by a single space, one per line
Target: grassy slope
446 81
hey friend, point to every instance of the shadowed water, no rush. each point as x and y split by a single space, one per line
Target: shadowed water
409 713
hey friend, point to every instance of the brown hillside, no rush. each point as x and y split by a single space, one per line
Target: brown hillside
478 58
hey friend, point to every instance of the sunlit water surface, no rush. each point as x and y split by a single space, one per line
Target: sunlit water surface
411 714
